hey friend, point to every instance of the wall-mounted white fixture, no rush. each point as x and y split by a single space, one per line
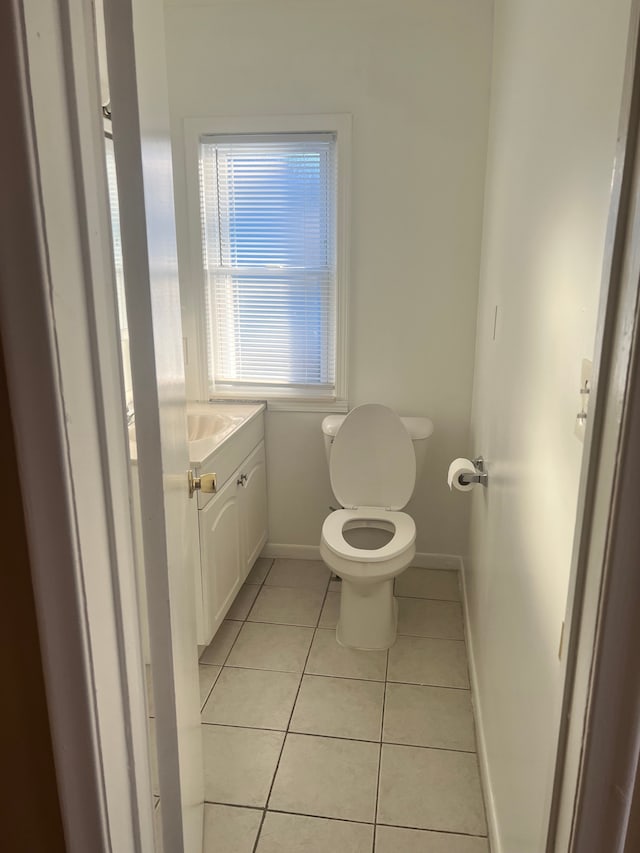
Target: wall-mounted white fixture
465 473
585 392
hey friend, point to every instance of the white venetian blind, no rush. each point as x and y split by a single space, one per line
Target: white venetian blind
268 218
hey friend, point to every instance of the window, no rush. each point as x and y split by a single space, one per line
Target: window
273 261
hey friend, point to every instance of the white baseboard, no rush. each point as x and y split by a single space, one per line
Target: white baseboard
447 562
293 552
483 760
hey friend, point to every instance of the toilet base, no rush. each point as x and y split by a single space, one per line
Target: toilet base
368 615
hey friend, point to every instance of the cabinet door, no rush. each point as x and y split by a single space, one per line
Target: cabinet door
254 506
221 554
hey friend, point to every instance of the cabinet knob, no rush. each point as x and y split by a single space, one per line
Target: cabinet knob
242 479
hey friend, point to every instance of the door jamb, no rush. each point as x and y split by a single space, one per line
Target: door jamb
593 623
63 359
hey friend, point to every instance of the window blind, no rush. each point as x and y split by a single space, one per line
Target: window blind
268 208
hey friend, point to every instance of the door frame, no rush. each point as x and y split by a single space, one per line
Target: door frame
68 441
599 727
58 325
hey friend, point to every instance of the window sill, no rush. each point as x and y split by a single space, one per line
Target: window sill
286 404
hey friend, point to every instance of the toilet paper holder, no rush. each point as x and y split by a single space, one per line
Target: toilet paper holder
481 476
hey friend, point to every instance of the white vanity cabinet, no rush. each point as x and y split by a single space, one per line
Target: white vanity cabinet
232 522
221 555
253 517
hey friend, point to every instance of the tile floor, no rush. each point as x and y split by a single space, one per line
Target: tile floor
312 747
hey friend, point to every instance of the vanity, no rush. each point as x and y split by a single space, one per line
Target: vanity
228 440
228 528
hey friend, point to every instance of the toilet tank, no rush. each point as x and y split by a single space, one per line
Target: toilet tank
418 428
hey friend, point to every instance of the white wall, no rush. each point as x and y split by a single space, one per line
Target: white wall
557 80
415 75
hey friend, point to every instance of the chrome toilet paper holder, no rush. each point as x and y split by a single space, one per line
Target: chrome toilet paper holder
481 476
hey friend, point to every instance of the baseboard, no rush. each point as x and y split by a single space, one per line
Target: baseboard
292 552
447 562
444 562
483 760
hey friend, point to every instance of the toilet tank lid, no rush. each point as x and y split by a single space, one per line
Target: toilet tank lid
416 427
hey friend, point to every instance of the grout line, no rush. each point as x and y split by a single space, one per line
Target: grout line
297 814
344 819
430 828
346 677
283 624
325 675
324 817
293 706
433 639
213 684
331 628
384 703
234 805
288 730
429 598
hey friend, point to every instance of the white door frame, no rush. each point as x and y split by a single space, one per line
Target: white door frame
62 362
593 783
58 320
135 51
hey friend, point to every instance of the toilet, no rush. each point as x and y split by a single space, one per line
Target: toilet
374 457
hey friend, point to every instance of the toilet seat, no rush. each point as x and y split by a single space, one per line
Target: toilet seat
403 537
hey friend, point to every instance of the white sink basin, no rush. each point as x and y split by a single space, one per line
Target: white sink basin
207 429
207 425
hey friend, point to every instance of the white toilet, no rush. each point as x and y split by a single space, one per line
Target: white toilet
374 457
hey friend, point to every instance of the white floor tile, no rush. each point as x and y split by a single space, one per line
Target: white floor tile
327 657
208 675
327 777
218 648
330 611
429 716
312 574
239 764
278 647
243 602
392 839
230 829
419 660
339 707
430 789
326 782
259 571
288 606
429 583
288 833
252 697
421 617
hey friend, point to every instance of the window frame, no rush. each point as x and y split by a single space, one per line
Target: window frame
286 399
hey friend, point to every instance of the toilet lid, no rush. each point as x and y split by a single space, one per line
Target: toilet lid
372 459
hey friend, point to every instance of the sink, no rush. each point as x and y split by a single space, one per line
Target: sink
206 429
207 425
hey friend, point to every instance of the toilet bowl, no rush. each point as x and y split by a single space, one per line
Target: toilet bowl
372 464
